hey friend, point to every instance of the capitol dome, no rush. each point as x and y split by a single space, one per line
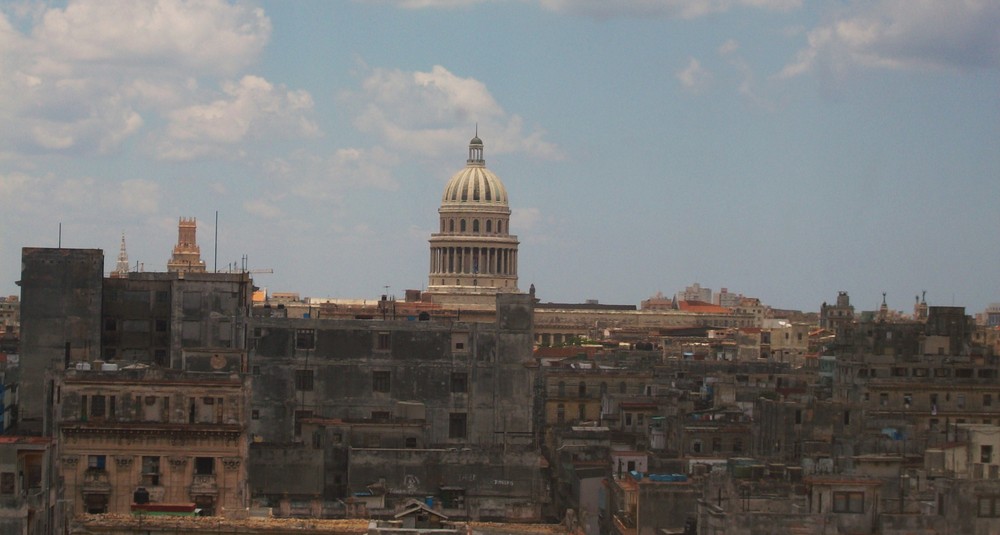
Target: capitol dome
473 253
475 183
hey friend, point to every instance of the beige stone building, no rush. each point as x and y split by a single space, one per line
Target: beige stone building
178 434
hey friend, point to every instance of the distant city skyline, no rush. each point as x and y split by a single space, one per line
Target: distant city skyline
785 150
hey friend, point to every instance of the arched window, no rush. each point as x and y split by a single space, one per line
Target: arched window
489 225
461 226
475 225
582 391
499 227
451 225
442 225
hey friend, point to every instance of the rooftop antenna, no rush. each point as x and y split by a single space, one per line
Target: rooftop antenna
60 234
215 262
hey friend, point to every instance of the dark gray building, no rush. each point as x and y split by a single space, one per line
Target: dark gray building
360 389
60 320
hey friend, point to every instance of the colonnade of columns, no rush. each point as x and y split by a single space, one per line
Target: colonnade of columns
482 260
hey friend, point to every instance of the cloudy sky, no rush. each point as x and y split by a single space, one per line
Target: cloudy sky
783 149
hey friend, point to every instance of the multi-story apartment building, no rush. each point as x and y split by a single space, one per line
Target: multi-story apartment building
180 434
379 386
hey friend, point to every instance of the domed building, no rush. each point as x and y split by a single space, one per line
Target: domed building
473 256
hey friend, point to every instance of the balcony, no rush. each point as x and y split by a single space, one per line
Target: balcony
96 481
204 484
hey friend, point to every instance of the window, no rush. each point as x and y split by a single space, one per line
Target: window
459 382
381 381
848 502
696 446
941 372
192 301
960 401
380 416
582 390
382 342
411 442
716 444
883 399
97 406
255 414
475 225
560 413
461 225
582 409
151 471
456 425
737 445
204 465
907 400
304 380
986 454
305 339
160 357
562 389
798 416
987 400
7 480
96 462
989 506
162 297
489 225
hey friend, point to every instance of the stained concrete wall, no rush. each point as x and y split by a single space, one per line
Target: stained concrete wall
60 319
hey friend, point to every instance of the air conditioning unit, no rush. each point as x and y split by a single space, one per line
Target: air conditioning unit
83 366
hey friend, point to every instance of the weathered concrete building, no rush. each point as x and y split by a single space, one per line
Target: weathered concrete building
369 391
28 504
60 320
152 317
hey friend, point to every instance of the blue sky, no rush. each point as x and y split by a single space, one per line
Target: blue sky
783 149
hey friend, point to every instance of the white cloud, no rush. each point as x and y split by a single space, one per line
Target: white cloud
137 196
684 9
86 77
730 51
430 112
526 218
904 34
206 36
262 208
249 108
422 4
694 77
